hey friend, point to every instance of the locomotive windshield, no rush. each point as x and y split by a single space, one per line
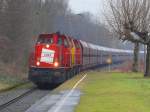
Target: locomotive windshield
45 39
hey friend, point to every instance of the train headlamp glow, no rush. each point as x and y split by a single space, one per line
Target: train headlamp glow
56 64
109 61
47 46
38 63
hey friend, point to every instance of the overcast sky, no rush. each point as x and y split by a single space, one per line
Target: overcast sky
92 6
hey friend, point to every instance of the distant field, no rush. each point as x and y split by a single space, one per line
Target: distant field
114 92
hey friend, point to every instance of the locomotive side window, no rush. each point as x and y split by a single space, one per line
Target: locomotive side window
66 44
45 40
59 41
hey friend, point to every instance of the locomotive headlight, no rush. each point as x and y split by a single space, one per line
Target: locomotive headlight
38 63
47 46
56 64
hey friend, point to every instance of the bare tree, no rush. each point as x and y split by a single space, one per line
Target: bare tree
83 26
130 19
20 21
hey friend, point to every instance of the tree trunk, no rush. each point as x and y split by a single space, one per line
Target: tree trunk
147 71
136 57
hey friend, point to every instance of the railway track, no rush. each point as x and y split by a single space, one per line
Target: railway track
14 100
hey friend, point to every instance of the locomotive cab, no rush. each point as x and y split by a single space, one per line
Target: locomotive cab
51 59
45 51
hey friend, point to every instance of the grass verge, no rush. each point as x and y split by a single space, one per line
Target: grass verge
9 82
114 92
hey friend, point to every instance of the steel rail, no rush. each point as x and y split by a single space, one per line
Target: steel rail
14 100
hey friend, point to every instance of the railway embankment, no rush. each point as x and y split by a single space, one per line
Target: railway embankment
8 82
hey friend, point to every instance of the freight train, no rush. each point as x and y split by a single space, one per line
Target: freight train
57 58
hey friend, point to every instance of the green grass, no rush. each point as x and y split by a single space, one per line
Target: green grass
9 79
8 82
4 86
114 92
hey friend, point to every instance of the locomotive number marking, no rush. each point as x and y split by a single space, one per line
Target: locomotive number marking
47 56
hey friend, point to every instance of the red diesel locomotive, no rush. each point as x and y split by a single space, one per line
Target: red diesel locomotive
57 58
